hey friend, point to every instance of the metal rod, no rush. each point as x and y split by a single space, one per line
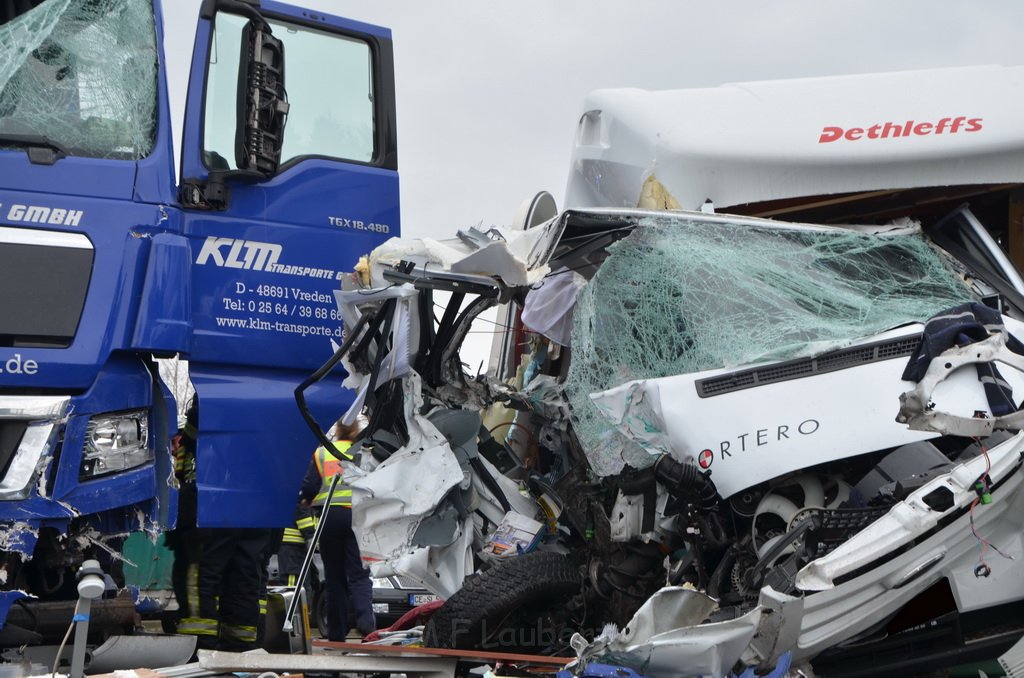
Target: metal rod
81 622
310 549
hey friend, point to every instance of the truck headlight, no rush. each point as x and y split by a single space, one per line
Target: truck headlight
115 442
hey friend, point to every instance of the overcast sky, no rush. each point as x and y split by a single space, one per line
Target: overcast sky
489 92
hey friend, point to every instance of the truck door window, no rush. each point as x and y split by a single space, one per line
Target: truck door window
329 83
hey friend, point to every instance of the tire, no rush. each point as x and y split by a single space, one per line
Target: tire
518 605
320 611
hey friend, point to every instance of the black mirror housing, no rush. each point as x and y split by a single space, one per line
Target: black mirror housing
262 104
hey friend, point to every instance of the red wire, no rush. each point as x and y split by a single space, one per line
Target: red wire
984 480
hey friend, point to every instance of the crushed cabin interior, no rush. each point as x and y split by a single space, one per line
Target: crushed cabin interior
1000 207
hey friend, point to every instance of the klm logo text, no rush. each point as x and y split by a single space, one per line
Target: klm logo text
247 254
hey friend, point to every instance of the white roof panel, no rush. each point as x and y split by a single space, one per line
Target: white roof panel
751 142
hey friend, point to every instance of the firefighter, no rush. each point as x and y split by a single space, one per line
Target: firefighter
347 582
183 540
292 550
226 587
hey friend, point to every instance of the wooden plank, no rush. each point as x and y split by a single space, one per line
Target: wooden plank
484 655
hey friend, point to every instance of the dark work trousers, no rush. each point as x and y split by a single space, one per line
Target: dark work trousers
273 542
290 557
347 581
231 585
183 541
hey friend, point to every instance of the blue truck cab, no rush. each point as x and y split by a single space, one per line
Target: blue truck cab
127 236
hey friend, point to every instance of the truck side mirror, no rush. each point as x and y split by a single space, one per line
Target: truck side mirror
262 105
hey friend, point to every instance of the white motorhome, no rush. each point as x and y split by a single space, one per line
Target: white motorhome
792 317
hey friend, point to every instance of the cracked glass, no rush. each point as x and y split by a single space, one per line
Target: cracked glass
80 75
680 296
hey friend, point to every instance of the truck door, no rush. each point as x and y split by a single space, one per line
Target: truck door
289 175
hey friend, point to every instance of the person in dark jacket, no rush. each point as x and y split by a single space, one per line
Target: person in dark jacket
292 550
346 581
183 540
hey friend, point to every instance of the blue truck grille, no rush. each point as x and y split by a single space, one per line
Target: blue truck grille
44 277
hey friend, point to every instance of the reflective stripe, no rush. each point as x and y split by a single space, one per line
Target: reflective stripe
192 587
198 626
292 579
246 634
339 498
306 523
263 605
184 464
292 536
328 466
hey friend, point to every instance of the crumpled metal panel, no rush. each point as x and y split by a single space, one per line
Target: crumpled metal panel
665 638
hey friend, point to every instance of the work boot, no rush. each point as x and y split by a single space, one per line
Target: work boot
366 625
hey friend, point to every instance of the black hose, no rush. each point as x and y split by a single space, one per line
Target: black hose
320 373
490 483
723 570
686 480
388 311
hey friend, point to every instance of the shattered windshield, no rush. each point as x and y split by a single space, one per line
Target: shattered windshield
81 75
681 296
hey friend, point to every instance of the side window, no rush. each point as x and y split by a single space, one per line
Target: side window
964 229
328 79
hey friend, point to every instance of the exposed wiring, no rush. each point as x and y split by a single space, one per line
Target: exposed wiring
375 290
983 487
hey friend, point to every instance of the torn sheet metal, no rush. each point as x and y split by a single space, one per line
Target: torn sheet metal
665 638
19 537
515 257
403 340
761 395
414 513
389 504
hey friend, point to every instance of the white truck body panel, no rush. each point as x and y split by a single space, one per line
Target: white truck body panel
751 142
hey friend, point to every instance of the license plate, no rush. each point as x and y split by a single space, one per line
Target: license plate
421 598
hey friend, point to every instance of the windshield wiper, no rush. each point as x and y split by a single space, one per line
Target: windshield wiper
41 150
